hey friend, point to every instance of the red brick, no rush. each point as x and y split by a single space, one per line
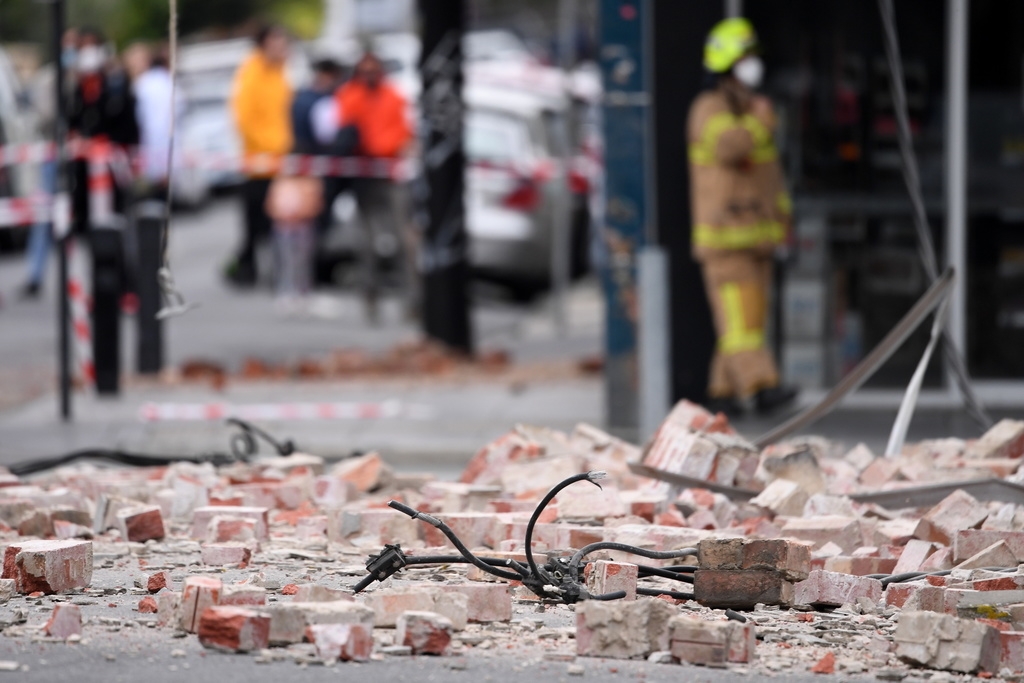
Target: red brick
202 517
148 605
789 558
48 566
198 593
607 577
347 642
64 622
959 510
485 603
427 633
843 531
141 524
712 643
226 554
969 542
860 566
941 641
364 472
157 581
830 588
913 556
741 589
1005 583
242 595
225 528
940 560
234 629
1011 645
389 604
1005 439
996 555
623 629
916 596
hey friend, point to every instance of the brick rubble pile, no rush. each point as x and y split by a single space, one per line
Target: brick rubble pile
262 557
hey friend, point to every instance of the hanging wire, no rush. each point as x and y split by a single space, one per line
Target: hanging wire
174 300
912 178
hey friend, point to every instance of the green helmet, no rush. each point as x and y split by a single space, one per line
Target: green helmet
727 42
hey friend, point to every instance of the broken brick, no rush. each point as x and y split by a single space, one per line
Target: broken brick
712 643
48 566
834 589
65 621
198 593
389 604
427 633
942 641
140 524
741 589
607 577
623 629
235 629
959 510
347 642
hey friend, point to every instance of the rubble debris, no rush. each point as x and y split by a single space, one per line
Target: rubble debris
835 589
65 621
198 593
623 629
427 633
712 643
270 554
942 641
347 642
140 524
235 629
48 566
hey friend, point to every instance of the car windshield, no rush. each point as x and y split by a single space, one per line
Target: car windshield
495 138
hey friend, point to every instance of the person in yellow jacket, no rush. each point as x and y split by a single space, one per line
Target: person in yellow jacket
741 215
260 104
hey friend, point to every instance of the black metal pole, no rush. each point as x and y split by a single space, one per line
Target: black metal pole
444 256
60 239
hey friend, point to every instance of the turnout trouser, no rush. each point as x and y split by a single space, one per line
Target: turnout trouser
738 286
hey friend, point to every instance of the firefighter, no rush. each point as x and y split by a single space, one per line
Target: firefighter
741 215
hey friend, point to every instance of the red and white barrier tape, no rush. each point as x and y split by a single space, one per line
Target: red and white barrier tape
81 304
214 412
257 164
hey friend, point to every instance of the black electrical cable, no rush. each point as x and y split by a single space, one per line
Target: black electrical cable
642 552
645 571
117 456
443 528
459 559
614 595
592 477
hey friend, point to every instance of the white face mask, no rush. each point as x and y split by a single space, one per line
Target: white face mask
749 71
91 59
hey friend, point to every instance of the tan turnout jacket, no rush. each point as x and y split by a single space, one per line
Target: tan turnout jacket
738 192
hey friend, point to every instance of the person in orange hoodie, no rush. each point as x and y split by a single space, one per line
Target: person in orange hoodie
260 104
378 112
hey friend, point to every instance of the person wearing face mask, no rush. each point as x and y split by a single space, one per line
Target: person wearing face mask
377 111
741 214
102 110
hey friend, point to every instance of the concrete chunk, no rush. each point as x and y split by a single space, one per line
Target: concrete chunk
942 641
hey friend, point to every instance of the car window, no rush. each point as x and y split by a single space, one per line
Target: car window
495 138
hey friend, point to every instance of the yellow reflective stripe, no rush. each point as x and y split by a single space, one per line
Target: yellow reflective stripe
702 152
738 236
737 337
784 203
